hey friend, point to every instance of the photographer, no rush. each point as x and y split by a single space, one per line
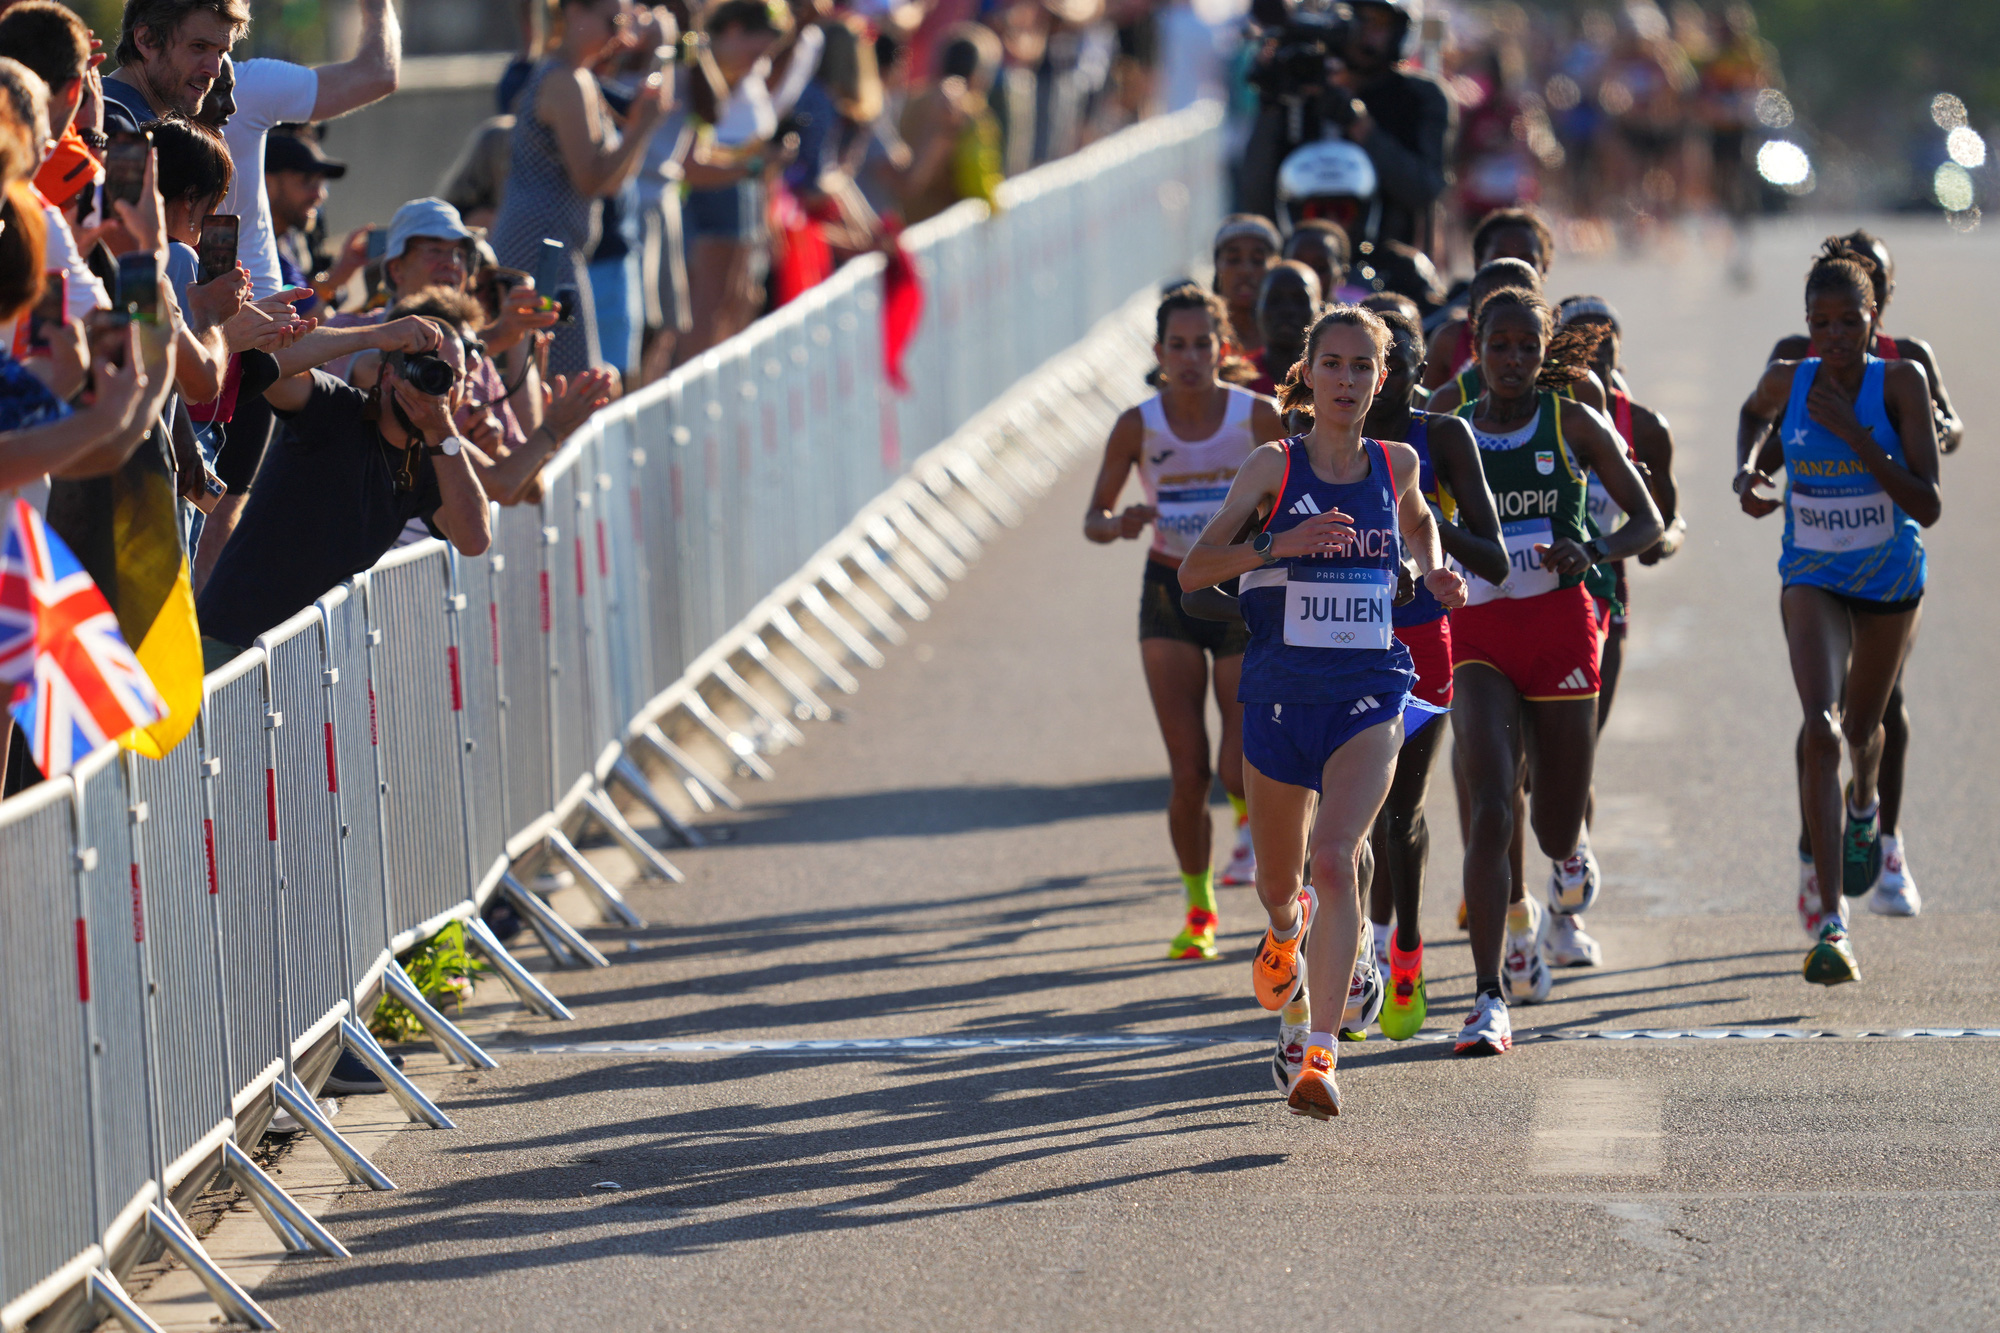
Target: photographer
1321 78
347 471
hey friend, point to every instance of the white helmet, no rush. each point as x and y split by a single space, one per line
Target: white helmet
1331 179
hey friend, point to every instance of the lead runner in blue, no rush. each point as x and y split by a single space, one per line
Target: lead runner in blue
1861 458
1325 685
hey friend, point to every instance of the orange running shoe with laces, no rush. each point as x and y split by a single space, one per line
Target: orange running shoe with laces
1314 1092
1274 972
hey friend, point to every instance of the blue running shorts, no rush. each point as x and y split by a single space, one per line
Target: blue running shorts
1291 743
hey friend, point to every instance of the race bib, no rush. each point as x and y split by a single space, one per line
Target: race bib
1837 523
1525 575
1184 513
1339 608
1604 510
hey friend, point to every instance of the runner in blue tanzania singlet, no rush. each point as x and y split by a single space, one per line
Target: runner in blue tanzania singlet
1842 531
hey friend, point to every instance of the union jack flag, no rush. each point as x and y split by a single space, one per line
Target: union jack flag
76 683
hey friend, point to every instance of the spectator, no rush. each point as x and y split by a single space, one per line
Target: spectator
952 133
170 53
568 153
723 214
349 469
475 182
53 43
194 175
295 177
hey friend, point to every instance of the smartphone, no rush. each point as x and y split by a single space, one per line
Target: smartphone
550 272
378 244
105 330
139 288
125 168
218 246
47 316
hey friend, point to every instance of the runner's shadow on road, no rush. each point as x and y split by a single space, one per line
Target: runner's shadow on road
926 812
904 1141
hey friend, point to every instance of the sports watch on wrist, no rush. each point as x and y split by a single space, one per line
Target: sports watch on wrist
1261 544
1594 548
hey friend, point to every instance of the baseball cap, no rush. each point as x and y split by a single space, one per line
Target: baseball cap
286 152
428 217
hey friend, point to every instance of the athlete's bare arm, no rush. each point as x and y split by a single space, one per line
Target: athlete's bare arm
1598 448
1474 540
1950 427
1653 442
1121 456
1756 438
1906 394
1590 392
1215 558
1419 529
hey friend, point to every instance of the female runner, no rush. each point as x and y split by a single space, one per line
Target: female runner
1525 652
1894 891
1325 685
1187 443
1453 485
1861 459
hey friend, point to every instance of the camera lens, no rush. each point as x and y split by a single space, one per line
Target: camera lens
428 374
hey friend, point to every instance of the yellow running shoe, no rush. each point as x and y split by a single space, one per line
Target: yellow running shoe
1274 972
1314 1092
1197 937
1404 1009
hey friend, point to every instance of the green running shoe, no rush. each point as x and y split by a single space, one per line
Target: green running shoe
1404 1009
1861 853
1832 960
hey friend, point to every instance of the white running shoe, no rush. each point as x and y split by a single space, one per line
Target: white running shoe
1811 913
1365 991
1488 1030
1574 881
1383 934
1522 971
1242 867
1895 892
1567 944
1294 1027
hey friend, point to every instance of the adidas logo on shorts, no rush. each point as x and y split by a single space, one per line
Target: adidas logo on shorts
1575 680
1304 506
1364 705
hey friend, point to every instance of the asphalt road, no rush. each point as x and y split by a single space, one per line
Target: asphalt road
977 851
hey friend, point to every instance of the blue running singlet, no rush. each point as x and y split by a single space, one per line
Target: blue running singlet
1320 625
1842 531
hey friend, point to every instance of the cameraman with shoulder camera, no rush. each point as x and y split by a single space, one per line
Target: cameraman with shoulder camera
1325 78
349 468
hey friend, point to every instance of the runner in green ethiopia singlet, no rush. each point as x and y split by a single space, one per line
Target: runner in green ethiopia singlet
1541 493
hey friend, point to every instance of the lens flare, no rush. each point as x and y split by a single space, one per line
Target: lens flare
1785 165
1947 111
1774 109
1966 147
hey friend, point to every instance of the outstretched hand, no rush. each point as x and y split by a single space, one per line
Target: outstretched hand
1745 485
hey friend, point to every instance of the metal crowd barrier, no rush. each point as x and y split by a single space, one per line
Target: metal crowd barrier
186 945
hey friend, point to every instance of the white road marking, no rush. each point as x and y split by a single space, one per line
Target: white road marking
946 1045
1597 1127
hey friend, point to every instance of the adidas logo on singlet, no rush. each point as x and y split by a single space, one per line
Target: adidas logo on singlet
1304 506
1575 680
1367 703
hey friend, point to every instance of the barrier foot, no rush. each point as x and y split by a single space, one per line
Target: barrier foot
421 1109
444 1033
550 926
858 647
235 1303
802 643
737 743
627 774
866 607
298 1229
726 676
699 778
805 703
305 1110
611 901
605 812
523 983
890 582
107 1296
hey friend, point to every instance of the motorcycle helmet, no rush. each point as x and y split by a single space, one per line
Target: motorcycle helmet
1332 179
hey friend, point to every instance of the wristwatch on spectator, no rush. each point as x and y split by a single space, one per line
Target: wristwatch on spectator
449 448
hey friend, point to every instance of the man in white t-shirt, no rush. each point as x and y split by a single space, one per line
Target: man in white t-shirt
174 71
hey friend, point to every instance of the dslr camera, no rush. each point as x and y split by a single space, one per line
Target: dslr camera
426 372
1294 75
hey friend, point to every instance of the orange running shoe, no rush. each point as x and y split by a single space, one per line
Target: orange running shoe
1274 972
1314 1092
